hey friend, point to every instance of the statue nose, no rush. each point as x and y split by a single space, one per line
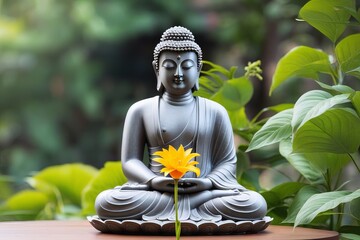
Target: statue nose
178 72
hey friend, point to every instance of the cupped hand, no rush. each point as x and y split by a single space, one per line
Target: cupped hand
162 184
194 185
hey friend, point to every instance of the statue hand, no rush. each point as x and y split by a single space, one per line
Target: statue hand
193 185
162 184
223 193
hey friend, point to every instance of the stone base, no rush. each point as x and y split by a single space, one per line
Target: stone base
225 227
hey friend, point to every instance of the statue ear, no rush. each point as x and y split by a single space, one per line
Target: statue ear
196 86
159 85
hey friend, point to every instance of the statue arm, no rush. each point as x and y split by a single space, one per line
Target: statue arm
133 144
223 174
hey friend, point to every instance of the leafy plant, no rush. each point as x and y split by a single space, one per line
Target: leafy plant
320 135
63 191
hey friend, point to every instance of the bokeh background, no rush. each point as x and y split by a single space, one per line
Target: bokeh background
70 69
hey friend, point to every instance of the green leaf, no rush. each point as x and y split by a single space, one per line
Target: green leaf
303 194
323 202
217 68
27 200
348 54
313 104
356 102
349 236
327 16
355 209
274 130
335 131
338 88
303 105
234 94
70 179
302 62
301 163
110 176
238 118
277 195
25 205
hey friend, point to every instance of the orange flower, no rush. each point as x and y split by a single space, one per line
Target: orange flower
177 162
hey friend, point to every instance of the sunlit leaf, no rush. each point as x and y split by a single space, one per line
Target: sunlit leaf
234 94
335 131
313 104
301 163
301 197
303 62
349 236
238 118
348 53
356 101
338 88
327 16
110 176
70 179
306 102
25 205
322 202
274 130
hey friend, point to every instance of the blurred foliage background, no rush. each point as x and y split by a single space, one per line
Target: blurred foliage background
70 69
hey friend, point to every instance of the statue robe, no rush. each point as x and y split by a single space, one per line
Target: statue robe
213 140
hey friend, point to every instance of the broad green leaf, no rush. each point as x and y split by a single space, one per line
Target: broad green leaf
355 209
322 202
348 53
349 236
339 88
335 131
27 200
330 163
320 107
110 176
306 102
274 130
302 62
24 205
70 179
238 118
356 101
303 194
300 163
234 94
275 108
327 16
278 194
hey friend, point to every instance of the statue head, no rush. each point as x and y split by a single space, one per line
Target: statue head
177 40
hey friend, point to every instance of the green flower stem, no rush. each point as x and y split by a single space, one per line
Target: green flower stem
177 222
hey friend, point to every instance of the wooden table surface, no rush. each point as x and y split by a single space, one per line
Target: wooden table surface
82 230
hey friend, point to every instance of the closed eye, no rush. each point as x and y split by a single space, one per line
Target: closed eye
168 64
187 64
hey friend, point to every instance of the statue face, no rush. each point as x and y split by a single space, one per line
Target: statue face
178 72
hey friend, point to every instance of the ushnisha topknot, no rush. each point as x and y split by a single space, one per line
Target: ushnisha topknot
177 39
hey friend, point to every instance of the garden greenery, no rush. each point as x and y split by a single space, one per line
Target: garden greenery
319 136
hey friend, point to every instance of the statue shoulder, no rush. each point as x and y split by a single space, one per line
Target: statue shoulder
139 108
214 106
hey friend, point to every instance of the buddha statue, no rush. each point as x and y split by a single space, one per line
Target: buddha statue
177 117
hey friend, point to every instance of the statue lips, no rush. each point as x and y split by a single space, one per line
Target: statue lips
178 80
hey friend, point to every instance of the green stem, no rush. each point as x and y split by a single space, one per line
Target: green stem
177 222
354 162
